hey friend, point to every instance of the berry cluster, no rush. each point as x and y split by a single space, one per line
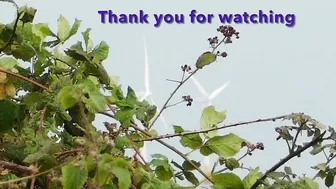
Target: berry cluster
228 31
187 99
222 54
213 41
260 146
186 68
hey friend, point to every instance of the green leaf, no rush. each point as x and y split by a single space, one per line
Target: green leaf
163 169
191 177
100 52
178 129
305 183
74 177
124 177
131 98
251 178
42 30
205 150
188 167
87 40
96 102
288 170
210 118
63 28
8 63
69 96
231 163
330 179
205 59
225 146
193 141
104 169
122 142
74 28
125 116
32 158
77 52
88 86
227 181
319 148
28 14
164 173
320 166
10 116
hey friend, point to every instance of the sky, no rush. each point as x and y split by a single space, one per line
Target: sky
273 69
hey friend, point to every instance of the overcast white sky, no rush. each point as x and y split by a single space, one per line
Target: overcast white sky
273 69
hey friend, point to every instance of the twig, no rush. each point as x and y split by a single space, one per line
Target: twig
175 150
287 158
177 103
26 79
212 129
173 80
169 98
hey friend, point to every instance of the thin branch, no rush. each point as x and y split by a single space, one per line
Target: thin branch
169 98
175 81
212 129
287 158
175 104
175 150
25 79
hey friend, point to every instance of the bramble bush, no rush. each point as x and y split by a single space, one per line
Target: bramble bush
65 89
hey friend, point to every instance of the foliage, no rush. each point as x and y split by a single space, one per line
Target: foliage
64 90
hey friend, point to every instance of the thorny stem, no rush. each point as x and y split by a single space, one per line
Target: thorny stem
287 158
212 129
175 150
